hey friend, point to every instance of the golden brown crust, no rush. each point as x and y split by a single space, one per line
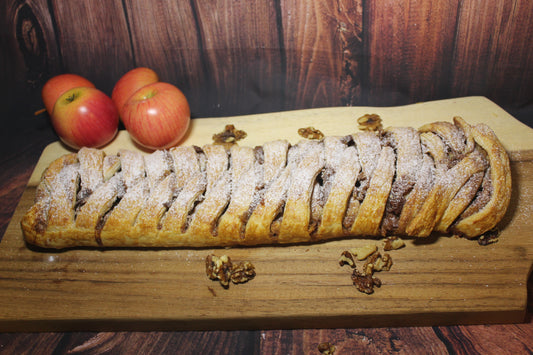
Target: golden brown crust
451 178
500 176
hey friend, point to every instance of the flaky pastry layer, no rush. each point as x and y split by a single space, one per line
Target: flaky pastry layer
443 177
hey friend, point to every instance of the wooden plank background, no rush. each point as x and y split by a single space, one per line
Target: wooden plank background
234 57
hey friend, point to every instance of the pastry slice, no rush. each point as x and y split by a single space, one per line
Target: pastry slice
204 220
297 216
406 144
343 162
370 213
91 163
244 182
499 172
90 216
443 191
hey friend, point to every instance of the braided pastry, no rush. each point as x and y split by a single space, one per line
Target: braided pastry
444 177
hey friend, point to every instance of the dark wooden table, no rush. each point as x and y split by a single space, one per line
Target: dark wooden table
20 147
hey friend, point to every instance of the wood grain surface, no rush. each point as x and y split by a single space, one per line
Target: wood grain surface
490 43
415 43
434 281
161 44
92 44
241 57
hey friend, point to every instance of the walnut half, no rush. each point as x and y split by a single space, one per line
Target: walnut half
242 272
310 133
229 135
370 122
365 282
219 268
223 270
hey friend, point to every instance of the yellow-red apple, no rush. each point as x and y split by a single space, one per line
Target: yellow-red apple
130 82
58 85
85 117
157 116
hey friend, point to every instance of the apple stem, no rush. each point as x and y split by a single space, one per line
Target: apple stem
72 97
149 95
38 112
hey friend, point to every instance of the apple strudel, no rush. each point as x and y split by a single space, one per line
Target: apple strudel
444 177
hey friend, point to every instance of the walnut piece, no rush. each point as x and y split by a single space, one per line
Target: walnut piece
393 243
377 262
230 135
242 272
365 282
310 133
326 348
346 259
370 122
364 252
219 268
223 270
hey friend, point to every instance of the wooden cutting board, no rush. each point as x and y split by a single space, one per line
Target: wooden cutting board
433 281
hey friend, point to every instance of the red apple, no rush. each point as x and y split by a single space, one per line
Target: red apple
130 82
85 117
157 116
56 86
